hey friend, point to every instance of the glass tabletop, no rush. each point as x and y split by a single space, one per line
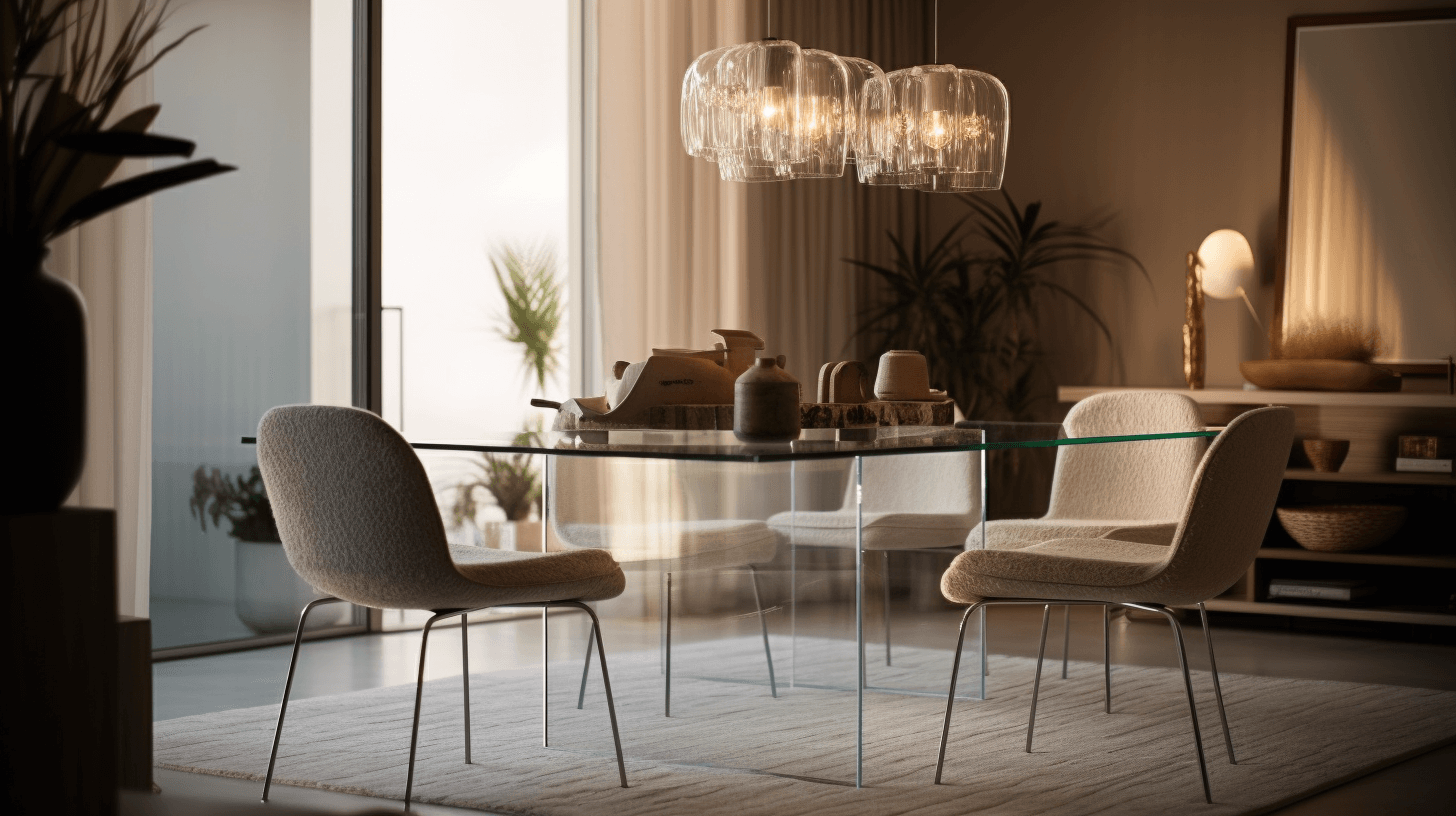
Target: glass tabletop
814 443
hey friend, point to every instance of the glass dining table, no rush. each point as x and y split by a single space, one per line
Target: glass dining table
780 552
775 556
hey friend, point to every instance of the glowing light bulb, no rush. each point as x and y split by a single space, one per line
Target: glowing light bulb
937 129
772 104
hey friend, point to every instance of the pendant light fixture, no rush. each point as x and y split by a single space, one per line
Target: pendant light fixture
772 111
943 128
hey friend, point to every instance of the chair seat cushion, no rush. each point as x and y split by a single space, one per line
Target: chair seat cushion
525 577
1090 569
1016 534
882 531
678 545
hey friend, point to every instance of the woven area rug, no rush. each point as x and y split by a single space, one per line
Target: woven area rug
1293 738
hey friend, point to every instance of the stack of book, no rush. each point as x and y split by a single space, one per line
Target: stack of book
1308 589
1424 454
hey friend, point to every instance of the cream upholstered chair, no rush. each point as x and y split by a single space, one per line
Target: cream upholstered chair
911 503
1129 492
609 504
1218 534
359 521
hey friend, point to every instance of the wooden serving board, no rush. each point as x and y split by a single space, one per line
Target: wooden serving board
811 415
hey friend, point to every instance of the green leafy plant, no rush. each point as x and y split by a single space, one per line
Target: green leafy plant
977 315
527 279
239 499
64 66
508 478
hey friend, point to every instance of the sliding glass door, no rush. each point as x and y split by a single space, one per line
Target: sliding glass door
477 216
252 295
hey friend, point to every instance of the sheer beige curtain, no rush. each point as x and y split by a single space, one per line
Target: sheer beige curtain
672 246
681 252
803 296
110 260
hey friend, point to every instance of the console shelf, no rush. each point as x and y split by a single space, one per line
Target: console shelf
1355 613
1371 422
1380 559
1383 477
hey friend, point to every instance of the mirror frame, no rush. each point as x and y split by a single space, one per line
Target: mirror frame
1276 324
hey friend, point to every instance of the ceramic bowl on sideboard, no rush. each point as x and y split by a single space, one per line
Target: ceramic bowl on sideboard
1341 527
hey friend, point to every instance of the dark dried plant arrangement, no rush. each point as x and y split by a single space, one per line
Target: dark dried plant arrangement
64 68
239 499
1322 339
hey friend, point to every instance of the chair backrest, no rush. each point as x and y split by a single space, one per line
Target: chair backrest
1228 510
354 507
948 483
1134 481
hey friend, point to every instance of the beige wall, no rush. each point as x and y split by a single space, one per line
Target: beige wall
1167 115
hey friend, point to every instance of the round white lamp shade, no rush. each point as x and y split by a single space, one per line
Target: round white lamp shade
1227 263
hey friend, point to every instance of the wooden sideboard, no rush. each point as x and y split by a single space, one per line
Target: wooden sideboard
1416 571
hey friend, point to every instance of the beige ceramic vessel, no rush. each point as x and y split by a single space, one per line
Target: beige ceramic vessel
904 376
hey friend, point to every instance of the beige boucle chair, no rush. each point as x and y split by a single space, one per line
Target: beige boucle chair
359 522
1219 532
1129 492
608 504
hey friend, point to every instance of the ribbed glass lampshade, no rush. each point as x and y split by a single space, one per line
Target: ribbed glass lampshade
770 111
943 129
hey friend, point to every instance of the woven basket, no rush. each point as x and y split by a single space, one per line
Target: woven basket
1341 527
1326 454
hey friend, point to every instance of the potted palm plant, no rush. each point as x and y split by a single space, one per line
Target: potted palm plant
534 310
65 69
269 593
976 313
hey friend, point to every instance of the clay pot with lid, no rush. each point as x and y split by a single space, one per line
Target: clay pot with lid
766 403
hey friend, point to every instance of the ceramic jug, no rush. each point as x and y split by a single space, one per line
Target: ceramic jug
766 403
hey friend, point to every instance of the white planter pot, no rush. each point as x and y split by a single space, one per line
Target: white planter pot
524 536
270 595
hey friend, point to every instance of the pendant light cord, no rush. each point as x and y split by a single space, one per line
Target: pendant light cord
768 18
935 38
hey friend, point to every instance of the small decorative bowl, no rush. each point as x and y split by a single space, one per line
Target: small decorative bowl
1341 527
1326 454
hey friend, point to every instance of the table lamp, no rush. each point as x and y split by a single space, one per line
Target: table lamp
1222 268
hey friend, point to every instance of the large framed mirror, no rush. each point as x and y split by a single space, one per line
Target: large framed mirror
1368 206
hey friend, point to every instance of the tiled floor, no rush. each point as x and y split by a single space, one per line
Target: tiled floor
1422 785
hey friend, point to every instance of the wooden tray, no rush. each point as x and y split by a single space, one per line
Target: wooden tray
811 415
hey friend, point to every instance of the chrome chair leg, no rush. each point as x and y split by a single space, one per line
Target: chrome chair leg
667 655
545 679
409 783
1066 637
288 687
586 668
465 676
1228 741
985 661
885 580
1188 686
763 624
607 684
1046 612
955 669
1106 659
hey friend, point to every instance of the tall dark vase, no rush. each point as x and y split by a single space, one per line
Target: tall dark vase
43 367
